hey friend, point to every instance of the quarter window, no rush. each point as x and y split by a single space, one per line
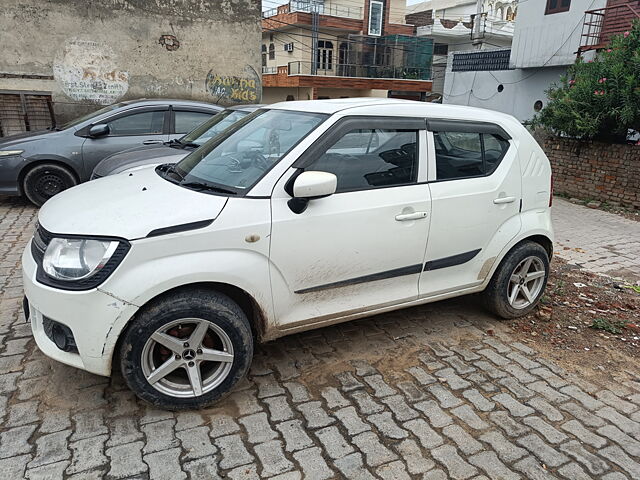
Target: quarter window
467 154
370 158
143 123
375 18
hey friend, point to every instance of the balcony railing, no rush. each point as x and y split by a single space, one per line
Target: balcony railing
601 24
269 70
327 8
361 71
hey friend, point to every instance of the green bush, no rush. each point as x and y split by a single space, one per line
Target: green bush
598 99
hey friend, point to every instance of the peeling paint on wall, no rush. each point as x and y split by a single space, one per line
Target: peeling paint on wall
235 89
87 70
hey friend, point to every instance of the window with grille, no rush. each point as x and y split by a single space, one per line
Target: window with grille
324 57
375 18
22 112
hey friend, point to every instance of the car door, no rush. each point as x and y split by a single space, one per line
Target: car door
363 246
129 129
475 189
185 119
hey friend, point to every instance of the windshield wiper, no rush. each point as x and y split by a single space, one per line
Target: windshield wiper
206 186
190 144
174 143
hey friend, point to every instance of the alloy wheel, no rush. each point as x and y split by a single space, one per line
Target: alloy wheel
526 282
187 358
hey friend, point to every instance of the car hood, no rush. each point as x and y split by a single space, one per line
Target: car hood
138 157
127 206
23 140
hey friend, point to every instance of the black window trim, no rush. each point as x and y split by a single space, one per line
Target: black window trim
465 126
354 122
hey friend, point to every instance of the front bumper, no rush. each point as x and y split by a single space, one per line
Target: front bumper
90 315
9 171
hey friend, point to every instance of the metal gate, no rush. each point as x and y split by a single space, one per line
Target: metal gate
25 112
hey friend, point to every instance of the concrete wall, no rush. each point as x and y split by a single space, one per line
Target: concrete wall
521 89
550 40
92 53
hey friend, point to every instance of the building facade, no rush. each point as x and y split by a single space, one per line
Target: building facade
363 48
462 25
64 58
548 37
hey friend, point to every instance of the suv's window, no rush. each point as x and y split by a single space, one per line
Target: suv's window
143 123
214 126
466 154
369 158
186 121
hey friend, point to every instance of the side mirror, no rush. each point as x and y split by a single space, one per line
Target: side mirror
99 130
311 185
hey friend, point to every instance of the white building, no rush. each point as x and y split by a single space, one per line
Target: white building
547 38
462 25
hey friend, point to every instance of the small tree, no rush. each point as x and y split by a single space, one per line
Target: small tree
598 99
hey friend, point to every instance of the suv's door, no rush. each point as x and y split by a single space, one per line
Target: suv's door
475 190
363 246
132 128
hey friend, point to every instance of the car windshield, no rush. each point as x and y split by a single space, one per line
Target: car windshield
89 116
235 160
212 127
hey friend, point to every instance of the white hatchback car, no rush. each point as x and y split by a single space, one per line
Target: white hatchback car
301 215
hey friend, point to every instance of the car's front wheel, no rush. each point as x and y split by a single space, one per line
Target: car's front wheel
188 350
46 180
519 282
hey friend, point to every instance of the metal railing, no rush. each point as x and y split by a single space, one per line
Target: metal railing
330 9
361 71
269 70
602 23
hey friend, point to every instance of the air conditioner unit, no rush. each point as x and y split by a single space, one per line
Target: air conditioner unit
288 47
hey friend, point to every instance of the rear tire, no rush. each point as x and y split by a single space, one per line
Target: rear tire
46 180
187 351
519 281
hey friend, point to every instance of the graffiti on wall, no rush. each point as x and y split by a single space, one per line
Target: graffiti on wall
87 71
245 88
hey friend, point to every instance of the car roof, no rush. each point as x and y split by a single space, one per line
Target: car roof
394 107
143 102
247 108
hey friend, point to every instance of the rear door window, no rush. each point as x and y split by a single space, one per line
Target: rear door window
467 154
143 123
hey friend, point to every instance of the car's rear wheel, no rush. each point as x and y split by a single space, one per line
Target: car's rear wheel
46 180
519 282
188 350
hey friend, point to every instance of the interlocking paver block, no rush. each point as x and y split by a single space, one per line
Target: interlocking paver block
294 435
551 434
87 454
375 453
427 436
126 460
505 449
16 441
351 467
351 421
379 386
160 436
629 444
399 407
222 425
315 415
594 464
616 402
465 442
548 455
468 416
457 467
334 443
313 465
279 408
233 452
333 397
444 396
165 465
489 462
616 455
272 458
365 402
583 434
412 455
196 443
51 448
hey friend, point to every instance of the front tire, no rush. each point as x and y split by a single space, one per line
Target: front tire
187 351
44 181
519 282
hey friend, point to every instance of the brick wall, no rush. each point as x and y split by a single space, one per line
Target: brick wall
594 170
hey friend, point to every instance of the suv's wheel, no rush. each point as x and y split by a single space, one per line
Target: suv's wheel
519 281
187 350
44 181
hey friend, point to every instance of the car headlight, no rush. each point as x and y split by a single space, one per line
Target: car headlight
73 259
10 153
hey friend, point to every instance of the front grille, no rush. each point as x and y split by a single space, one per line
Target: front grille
39 243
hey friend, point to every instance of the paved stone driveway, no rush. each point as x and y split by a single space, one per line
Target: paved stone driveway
419 393
597 241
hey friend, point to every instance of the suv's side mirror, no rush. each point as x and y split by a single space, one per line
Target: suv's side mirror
99 130
311 185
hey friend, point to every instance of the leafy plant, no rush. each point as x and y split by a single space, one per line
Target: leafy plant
607 325
598 99
635 288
